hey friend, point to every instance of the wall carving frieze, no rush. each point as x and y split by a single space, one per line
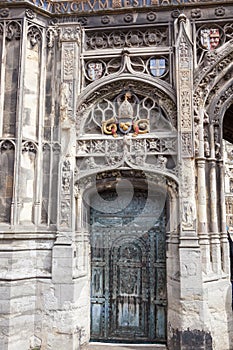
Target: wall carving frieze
148 153
104 176
132 38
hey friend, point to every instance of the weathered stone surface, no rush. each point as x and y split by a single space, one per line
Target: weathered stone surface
98 101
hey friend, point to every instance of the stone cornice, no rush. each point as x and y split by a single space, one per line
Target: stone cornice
71 7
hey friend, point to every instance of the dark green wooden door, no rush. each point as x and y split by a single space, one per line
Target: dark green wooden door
128 285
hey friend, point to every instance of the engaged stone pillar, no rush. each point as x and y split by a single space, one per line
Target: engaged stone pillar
64 250
202 200
191 286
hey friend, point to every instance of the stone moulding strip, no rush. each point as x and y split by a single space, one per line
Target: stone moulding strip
122 346
60 7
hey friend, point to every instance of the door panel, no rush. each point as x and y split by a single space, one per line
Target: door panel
128 283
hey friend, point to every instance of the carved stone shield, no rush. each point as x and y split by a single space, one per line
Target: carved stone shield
210 38
125 125
157 66
95 70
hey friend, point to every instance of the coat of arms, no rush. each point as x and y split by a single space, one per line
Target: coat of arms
125 122
210 38
157 66
95 70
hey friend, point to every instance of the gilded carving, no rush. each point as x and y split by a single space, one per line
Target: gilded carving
124 122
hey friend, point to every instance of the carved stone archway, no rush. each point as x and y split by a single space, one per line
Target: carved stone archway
140 179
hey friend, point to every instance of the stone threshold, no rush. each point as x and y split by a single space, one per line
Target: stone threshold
121 346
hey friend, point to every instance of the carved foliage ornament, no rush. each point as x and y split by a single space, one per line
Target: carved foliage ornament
132 38
68 62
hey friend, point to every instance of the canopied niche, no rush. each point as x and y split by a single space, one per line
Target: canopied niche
7 153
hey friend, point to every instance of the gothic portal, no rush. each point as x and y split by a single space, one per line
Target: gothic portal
116 174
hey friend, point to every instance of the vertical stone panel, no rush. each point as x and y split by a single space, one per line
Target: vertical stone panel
27 182
52 79
1 42
32 83
2 78
49 103
53 198
46 183
7 153
13 31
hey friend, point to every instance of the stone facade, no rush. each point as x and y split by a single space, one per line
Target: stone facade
98 96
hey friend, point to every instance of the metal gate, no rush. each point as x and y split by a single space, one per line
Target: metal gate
128 272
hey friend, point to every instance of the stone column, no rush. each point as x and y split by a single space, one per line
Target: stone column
201 199
191 288
223 235
64 250
214 231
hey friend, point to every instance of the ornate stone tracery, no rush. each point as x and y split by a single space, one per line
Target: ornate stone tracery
64 80
132 38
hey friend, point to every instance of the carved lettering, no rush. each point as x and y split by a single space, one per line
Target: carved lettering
66 7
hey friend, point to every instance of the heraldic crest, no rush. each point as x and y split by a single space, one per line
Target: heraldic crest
124 123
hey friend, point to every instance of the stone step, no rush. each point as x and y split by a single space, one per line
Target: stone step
111 346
